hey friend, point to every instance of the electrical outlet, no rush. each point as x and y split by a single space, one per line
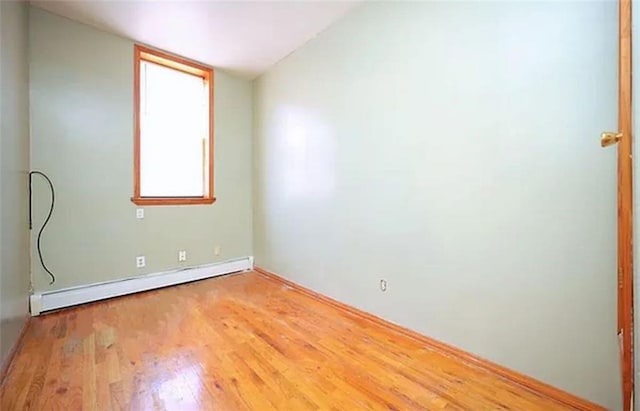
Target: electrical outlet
383 285
139 213
182 255
216 250
140 263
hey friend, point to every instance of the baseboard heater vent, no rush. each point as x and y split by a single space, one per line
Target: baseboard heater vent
53 300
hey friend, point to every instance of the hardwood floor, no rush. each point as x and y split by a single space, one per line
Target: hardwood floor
238 342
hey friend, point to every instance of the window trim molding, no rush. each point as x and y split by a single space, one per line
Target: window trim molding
142 53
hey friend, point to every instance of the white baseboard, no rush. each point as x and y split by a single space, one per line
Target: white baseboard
52 300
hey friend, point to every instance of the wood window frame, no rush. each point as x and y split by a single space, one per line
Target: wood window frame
142 53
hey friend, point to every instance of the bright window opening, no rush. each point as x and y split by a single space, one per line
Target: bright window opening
174 142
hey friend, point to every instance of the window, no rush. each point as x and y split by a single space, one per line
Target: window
173 143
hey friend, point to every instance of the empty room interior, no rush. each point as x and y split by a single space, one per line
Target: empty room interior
317 205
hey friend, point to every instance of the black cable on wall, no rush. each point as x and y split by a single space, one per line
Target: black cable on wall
46 221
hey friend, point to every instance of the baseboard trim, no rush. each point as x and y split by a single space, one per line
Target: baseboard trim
68 297
6 365
529 383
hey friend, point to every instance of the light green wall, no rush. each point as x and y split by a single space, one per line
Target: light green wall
14 166
452 149
82 137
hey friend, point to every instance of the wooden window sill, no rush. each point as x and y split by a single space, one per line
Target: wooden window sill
171 201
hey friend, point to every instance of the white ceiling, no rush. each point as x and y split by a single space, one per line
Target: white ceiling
243 37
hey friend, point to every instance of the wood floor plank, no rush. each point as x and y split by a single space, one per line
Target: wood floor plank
241 342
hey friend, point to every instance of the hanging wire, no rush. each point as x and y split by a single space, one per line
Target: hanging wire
46 221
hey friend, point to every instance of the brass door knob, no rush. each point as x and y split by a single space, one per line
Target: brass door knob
609 138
